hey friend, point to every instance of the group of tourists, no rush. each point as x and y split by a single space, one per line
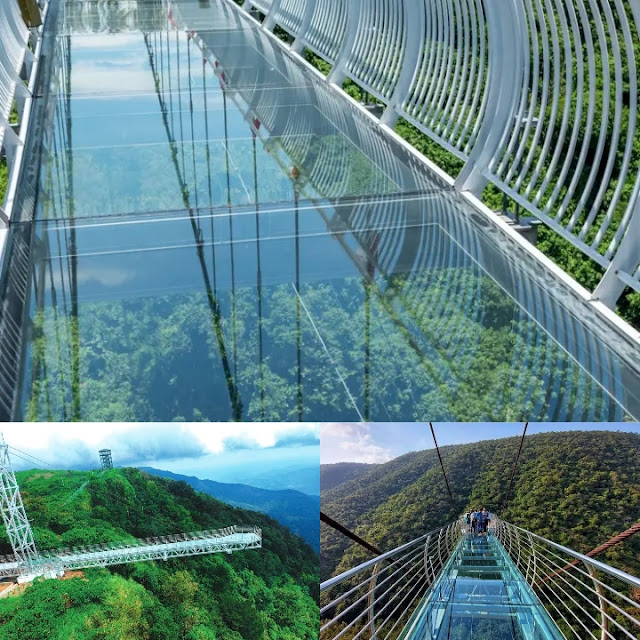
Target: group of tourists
477 521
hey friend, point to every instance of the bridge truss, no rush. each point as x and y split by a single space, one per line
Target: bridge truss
27 562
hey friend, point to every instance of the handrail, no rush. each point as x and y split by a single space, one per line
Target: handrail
19 54
376 598
538 99
332 582
583 595
596 564
388 595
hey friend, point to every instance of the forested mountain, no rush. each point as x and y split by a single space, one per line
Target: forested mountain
577 488
294 509
265 594
332 475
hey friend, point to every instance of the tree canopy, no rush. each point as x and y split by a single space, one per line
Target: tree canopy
265 594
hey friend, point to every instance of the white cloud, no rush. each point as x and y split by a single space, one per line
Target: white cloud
350 442
76 442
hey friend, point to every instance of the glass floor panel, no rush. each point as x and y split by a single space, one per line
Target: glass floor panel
497 605
212 233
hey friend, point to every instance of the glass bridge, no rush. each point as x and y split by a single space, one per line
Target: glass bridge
481 594
205 229
508 585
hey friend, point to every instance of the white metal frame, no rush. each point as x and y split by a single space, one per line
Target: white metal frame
510 87
14 516
377 597
19 57
227 540
581 593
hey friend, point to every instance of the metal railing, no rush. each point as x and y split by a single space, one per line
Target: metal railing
538 98
376 599
587 598
227 540
20 49
397 236
19 54
379 598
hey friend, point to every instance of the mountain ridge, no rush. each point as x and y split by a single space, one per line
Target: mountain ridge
337 473
294 509
576 487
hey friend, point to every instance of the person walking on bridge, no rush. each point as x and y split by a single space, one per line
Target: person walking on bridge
485 520
479 522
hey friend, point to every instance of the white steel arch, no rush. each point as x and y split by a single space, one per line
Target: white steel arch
537 97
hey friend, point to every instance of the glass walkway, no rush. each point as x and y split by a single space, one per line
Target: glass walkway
480 595
449 584
205 229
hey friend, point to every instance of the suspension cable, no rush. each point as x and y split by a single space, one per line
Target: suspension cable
349 534
617 539
33 458
621 537
513 472
15 455
446 480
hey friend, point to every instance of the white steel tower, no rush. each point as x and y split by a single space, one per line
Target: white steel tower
14 515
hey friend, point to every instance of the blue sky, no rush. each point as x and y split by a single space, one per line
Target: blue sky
228 452
380 442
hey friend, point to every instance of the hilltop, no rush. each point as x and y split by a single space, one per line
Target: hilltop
332 475
577 488
266 594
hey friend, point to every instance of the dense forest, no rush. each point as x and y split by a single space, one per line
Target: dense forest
332 475
265 594
576 488
401 356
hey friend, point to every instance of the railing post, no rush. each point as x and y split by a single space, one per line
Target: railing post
371 599
426 560
506 32
532 561
339 71
626 259
440 561
414 20
518 562
270 18
11 140
604 624
298 43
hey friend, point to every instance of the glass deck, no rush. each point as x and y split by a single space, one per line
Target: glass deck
480 594
215 234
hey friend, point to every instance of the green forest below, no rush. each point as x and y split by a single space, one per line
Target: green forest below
492 364
265 594
576 488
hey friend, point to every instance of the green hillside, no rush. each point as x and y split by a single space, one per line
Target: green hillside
266 594
332 475
577 488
